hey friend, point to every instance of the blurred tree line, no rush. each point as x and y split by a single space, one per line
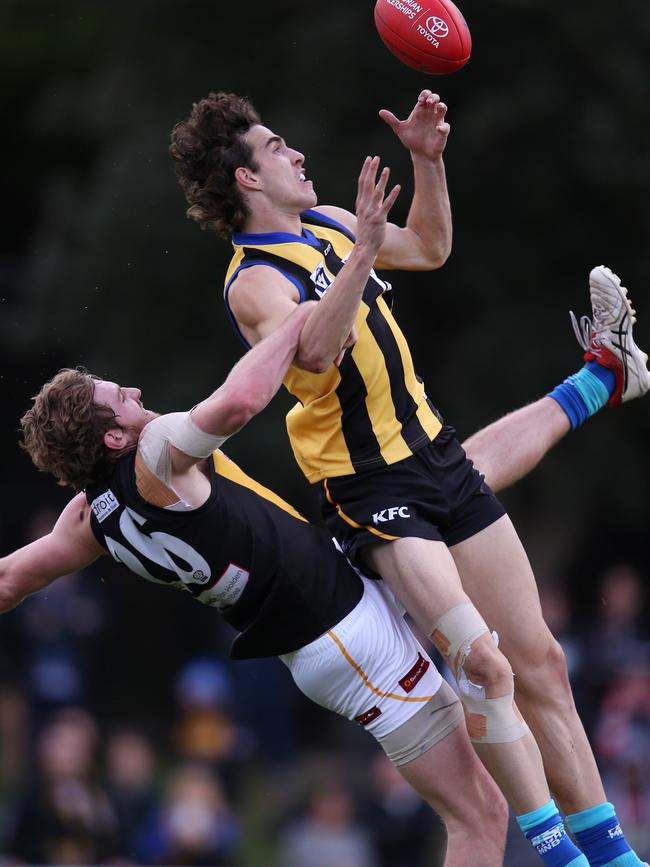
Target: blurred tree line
549 172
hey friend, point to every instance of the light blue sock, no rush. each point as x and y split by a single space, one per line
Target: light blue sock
545 830
599 834
585 392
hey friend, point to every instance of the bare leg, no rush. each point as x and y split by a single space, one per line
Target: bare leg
509 448
497 576
423 576
451 779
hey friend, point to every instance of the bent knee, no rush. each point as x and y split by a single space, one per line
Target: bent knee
486 666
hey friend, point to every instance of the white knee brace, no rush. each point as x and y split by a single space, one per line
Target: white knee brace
489 720
454 632
493 720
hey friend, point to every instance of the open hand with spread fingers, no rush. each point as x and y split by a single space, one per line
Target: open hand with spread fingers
373 204
425 130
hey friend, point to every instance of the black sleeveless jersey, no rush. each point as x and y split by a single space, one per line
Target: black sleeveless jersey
272 575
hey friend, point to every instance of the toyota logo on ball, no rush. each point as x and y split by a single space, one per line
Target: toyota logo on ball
437 27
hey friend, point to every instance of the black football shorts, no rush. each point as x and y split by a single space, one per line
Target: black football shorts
434 494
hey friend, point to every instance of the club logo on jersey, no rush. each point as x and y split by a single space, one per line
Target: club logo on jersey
104 505
391 514
321 279
411 678
228 589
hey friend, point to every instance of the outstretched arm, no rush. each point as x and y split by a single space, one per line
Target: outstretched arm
255 379
70 547
509 448
424 243
248 388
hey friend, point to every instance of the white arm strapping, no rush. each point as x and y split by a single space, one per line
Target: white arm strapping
177 429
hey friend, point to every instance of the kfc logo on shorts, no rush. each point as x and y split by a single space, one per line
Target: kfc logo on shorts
390 514
411 679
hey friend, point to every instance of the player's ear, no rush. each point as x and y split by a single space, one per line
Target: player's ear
246 178
115 438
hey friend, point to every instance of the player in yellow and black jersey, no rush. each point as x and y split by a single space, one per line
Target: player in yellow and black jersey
371 409
397 489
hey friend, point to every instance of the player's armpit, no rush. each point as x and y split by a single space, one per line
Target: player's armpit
261 298
70 546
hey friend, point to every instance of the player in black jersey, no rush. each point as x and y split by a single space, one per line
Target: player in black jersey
397 489
159 497
201 525
278 579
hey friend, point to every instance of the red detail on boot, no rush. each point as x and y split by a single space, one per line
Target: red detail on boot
612 362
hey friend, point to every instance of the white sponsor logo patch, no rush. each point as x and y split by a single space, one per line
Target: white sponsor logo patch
103 505
228 588
391 514
321 280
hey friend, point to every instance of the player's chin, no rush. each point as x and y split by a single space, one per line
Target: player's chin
309 197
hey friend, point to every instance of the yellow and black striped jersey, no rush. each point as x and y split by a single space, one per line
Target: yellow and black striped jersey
372 410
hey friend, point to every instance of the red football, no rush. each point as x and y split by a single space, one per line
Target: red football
431 36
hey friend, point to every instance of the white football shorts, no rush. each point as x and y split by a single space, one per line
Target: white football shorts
369 667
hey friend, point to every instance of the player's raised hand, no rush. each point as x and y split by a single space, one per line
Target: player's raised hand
373 205
425 130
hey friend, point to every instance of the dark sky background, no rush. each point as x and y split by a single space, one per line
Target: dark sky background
549 172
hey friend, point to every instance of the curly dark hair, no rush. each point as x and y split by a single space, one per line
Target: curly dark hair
63 432
207 148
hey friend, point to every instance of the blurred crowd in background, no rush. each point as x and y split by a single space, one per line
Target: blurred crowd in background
211 762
